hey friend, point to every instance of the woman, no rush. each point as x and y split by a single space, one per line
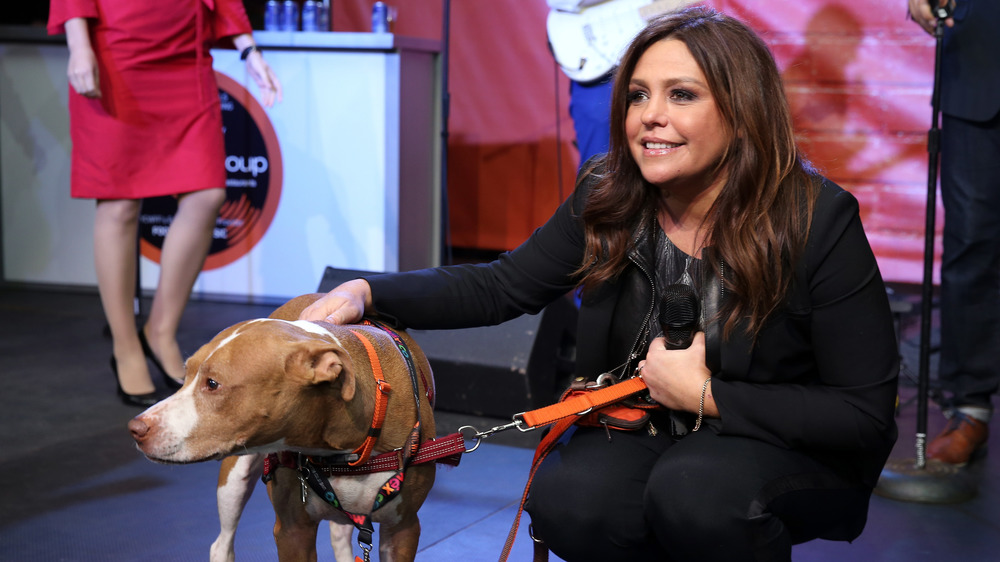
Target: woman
145 121
779 415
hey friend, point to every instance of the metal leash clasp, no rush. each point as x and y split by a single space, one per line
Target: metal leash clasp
478 436
367 548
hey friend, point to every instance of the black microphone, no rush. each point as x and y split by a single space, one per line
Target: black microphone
679 315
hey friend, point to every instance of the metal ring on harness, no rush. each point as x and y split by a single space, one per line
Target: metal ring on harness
606 379
478 437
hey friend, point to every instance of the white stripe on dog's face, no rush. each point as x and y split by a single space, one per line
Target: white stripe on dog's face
312 328
178 416
232 337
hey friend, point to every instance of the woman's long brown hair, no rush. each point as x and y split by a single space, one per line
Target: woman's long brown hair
759 222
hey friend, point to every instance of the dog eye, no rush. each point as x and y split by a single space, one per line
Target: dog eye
211 384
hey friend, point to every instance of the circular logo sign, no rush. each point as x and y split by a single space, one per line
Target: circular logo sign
253 183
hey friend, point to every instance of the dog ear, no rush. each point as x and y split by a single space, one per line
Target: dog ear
328 366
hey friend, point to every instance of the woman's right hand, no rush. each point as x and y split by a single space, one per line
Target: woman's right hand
83 74
920 12
82 70
347 303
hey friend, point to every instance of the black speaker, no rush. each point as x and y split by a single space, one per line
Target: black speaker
501 370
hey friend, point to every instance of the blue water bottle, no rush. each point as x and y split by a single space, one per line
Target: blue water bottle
290 16
310 16
380 18
323 15
272 16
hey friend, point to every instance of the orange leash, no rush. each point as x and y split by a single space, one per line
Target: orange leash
584 403
544 448
564 414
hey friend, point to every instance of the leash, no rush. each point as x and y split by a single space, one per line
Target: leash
608 392
564 415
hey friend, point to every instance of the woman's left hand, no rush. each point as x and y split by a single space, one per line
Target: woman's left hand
675 377
266 79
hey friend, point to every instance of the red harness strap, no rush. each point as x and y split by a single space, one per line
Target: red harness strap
447 450
443 450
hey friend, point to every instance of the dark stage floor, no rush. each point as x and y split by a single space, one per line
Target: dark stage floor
75 488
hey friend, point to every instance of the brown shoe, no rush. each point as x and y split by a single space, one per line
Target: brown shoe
962 438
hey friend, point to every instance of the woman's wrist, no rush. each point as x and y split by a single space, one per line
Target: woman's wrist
242 41
701 404
77 34
247 51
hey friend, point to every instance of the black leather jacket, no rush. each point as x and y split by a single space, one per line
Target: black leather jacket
820 377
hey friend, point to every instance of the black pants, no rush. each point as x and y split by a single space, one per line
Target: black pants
705 497
970 265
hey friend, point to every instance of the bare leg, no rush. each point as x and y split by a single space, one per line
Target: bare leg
184 250
115 260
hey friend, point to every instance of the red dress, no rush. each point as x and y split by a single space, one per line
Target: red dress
157 129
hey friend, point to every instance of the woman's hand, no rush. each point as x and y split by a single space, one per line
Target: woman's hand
82 70
920 12
258 69
266 79
345 304
675 377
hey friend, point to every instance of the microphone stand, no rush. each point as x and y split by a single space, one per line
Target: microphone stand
446 257
916 480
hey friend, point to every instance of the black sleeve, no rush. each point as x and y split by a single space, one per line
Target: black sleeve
829 382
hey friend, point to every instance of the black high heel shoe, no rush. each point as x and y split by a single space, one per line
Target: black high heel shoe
141 400
148 351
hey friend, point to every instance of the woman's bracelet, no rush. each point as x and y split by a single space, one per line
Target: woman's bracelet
246 52
701 405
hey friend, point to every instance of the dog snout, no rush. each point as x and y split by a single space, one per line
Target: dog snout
138 428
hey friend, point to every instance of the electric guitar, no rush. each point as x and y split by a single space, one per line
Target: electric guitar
587 42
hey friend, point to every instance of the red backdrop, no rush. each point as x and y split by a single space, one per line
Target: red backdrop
858 74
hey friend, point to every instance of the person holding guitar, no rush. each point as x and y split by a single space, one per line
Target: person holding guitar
773 418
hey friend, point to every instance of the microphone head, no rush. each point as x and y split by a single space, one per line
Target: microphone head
679 315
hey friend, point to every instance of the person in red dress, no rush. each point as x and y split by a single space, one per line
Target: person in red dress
145 121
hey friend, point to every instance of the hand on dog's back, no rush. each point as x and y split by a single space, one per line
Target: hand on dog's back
345 304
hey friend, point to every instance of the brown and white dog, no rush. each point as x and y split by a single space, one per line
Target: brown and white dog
278 384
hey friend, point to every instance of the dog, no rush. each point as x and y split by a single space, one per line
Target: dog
278 384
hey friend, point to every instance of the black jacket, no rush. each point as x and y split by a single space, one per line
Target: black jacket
970 62
820 378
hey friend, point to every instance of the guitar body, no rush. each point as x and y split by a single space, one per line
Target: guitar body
588 43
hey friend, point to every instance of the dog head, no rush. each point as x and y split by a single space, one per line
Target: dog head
255 387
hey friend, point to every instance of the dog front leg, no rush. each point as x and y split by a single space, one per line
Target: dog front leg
237 478
294 529
340 540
